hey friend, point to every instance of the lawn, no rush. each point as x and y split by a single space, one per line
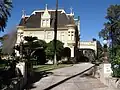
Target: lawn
2 66
39 68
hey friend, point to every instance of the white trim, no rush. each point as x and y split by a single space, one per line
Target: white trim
48 10
27 15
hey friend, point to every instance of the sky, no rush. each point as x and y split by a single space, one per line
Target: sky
92 13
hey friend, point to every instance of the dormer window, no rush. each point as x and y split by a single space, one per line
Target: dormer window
45 23
45 18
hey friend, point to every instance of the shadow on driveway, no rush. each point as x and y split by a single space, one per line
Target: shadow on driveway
34 78
38 75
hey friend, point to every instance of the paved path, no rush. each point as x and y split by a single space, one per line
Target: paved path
69 78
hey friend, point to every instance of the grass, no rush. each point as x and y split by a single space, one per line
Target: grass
2 66
39 68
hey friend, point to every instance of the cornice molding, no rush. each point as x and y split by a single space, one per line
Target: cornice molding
42 29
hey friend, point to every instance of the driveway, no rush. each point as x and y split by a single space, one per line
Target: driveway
68 78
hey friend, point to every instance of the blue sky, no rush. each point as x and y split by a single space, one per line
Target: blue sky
91 12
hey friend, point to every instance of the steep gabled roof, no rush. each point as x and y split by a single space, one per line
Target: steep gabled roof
34 21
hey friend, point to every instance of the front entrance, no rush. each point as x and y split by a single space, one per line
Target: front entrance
67 52
85 55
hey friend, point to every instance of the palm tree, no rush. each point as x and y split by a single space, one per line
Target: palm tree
5 8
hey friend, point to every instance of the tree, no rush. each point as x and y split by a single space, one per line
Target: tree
111 28
50 50
111 32
26 48
33 48
33 43
5 7
29 45
41 43
99 56
40 46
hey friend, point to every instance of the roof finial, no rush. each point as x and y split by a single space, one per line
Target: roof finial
23 13
46 7
71 9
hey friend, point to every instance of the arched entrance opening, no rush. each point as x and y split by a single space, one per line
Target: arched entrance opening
66 52
85 55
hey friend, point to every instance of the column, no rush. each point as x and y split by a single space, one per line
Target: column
72 51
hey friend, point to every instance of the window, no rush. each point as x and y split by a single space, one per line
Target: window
45 23
49 35
62 36
71 35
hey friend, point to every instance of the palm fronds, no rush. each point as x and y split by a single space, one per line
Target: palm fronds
5 8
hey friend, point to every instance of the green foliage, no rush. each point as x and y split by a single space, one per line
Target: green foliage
30 38
100 52
34 49
39 68
111 31
99 56
111 28
0 50
1 40
30 44
115 61
27 47
41 43
116 66
34 42
5 8
50 49
113 21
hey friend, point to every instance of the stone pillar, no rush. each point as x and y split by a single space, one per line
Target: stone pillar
22 67
105 72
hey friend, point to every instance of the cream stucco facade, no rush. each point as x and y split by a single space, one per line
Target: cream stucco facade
66 33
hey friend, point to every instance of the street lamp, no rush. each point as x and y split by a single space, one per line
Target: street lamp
105 42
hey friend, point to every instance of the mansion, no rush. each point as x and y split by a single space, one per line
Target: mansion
41 24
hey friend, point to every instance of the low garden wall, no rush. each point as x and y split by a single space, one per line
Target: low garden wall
106 77
113 82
